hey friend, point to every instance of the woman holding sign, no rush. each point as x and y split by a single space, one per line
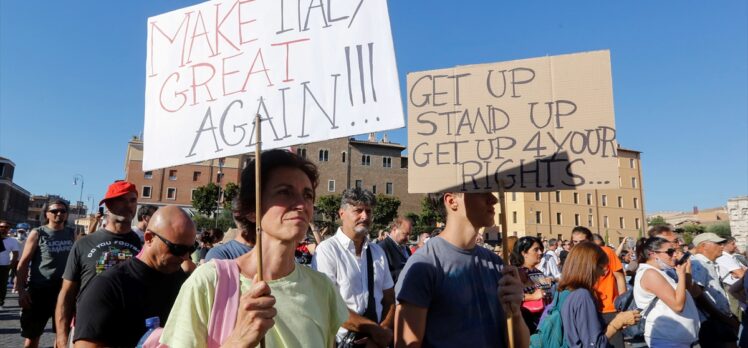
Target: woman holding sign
296 306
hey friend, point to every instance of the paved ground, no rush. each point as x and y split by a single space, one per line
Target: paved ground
10 325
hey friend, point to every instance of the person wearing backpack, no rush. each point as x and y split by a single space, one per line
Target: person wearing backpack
583 323
673 321
295 306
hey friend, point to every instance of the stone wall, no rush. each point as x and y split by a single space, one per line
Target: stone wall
738 211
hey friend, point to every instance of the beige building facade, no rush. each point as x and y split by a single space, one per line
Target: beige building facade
613 213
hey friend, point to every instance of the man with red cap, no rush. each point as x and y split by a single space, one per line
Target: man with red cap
97 252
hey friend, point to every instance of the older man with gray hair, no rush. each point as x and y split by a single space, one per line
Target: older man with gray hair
359 269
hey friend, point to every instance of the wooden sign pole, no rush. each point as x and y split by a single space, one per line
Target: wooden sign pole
258 205
505 255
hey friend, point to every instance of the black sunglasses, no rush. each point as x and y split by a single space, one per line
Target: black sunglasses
4 226
57 211
669 252
178 250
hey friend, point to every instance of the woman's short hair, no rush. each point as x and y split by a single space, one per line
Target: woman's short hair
582 267
523 245
644 246
271 160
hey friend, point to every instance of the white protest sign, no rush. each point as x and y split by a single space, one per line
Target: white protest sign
540 124
313 70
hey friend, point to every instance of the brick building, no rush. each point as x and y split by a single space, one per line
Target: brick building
375 165
14 199
174 185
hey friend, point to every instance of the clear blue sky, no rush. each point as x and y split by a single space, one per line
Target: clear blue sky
72 77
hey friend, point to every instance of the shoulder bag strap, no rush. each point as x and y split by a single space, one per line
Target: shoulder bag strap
371 305
225 303
650 307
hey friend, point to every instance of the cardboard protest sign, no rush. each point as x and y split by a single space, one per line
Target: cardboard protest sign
313 70
540 124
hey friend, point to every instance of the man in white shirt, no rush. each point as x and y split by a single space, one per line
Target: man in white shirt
8 258
717 322
730 271
549 263
344 258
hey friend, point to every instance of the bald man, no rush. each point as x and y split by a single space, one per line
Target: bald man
113 310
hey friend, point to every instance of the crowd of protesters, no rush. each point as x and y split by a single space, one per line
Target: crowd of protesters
328 288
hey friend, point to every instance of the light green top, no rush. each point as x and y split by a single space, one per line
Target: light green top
310 310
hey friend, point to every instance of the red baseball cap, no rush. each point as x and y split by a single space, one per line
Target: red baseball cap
118 189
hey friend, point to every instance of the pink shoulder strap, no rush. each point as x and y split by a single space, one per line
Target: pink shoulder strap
225 303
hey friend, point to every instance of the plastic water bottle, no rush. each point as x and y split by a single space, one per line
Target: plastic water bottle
151 324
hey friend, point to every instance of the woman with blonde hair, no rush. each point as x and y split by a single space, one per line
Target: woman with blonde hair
580 311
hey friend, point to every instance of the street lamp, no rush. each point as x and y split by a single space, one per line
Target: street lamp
218 182
76 179
90 199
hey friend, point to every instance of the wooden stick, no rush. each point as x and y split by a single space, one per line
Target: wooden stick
505 255
258 205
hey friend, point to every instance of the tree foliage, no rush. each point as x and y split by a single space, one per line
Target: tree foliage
385 211
230 191
657 220
694 229
429 213
205 199
721 229
327 207
224 221
428 218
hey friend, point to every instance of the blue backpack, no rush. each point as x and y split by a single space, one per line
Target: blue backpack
550 333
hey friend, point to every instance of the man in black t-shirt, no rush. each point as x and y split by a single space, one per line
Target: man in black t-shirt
113 310
98 252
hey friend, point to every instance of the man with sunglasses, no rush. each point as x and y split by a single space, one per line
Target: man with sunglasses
113 310
39 273
97 252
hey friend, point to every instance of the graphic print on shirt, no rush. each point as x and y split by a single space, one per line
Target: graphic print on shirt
118 252
47 245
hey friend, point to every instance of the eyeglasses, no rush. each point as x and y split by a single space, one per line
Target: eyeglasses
178 250
4 226
669 252
57 211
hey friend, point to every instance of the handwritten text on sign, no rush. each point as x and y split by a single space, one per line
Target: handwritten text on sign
313 70
537 124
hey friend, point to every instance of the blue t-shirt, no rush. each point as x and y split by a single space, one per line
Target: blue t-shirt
583 322
228 251
460 289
